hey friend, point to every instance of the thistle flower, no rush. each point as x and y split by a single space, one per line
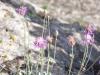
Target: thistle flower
88 39
90 29
89 35
22 10
71 40
40 43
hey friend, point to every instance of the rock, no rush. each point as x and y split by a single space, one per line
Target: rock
13 33
4 74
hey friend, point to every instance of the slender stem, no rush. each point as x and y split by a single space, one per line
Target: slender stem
31 64
18 70
28 63
49 26
48 59
44 22
85 55
88 58
25 59
70 68
37 68
29 55
93 63
48 48
55 48
42 61
83 60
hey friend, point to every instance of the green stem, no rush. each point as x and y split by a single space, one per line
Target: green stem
83 60
71 62
48 59
88 58
28 64
37 68
93 64
25 59
48 48
55 48
44 23
42 61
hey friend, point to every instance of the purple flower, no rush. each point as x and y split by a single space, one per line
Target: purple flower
89 34
88 39
22 10
40 43
90 29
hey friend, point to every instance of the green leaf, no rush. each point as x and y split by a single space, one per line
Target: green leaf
45 7
0 41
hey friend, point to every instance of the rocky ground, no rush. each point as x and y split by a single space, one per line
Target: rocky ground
17 33
70 11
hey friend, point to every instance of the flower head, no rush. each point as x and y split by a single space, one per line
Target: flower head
89 34
49 39
22 10
71 40
89 29
40 43
88 39
56 32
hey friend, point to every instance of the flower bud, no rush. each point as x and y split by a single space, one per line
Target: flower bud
57 32
71 40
